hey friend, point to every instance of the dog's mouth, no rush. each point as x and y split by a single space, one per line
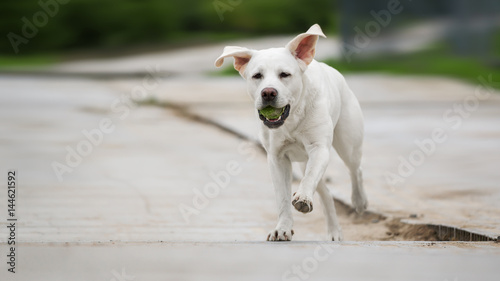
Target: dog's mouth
274 117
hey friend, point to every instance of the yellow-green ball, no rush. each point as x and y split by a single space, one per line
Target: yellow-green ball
272 113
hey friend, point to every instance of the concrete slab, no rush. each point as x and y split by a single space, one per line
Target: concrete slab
257 261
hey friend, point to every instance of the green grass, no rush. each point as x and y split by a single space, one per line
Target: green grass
226 71
430 62
28 61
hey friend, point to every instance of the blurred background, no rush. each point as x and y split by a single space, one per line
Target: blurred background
459 38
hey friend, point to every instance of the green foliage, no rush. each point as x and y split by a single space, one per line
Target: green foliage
434 61
118 23
31 61
226 71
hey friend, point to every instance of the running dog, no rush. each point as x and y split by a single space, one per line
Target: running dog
306 107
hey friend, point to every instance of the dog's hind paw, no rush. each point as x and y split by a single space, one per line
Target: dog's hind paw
302 203
359 202
280 235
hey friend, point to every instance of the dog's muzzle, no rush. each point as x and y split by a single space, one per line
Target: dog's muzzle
275 123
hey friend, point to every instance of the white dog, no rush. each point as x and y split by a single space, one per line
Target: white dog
311 109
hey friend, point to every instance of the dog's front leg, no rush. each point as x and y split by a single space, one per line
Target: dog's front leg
281 173
319 156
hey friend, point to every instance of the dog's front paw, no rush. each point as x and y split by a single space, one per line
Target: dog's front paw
280 235
302 203
336 235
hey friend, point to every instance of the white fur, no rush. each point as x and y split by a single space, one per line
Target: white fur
323 112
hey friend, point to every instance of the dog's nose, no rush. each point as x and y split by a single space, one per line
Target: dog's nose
268 94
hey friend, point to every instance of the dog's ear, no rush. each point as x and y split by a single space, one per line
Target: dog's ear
303 47
241 57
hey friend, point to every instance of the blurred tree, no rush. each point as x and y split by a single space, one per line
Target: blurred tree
31 26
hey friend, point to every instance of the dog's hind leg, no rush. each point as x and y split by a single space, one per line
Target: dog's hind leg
358 196
333 225
347 141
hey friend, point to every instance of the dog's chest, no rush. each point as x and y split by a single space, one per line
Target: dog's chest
297 153
294 150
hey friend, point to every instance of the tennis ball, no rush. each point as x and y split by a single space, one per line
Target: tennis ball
272 113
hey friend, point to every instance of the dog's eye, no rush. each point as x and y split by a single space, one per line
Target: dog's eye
257 76
284 75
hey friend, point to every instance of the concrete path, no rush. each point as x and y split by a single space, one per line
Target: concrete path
259 261
94 166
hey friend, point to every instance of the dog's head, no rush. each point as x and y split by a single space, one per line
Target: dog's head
274 76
